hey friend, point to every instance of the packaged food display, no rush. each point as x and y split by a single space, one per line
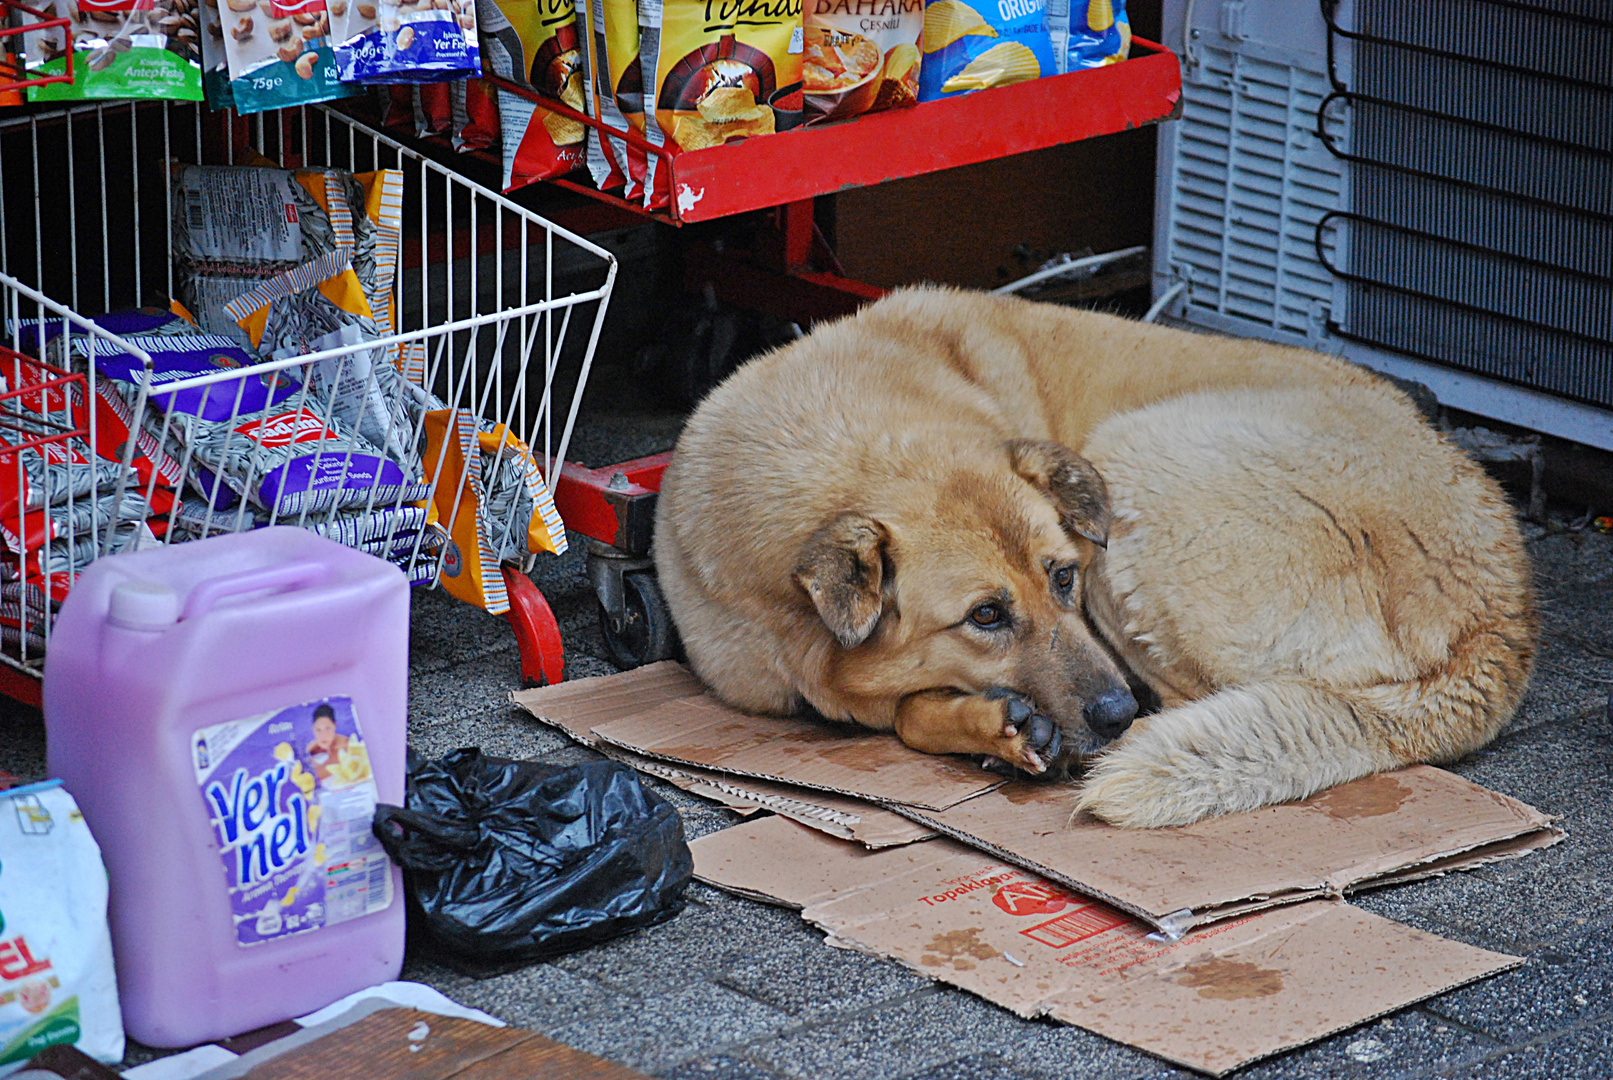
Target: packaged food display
1088 33
535 43
146 49
717 75
405 40
972 45
861 56
279 53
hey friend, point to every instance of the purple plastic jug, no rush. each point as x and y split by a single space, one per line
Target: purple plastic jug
227 712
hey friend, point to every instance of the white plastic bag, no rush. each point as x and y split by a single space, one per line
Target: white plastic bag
56 978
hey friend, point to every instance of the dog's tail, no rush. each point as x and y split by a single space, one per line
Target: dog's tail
1244 747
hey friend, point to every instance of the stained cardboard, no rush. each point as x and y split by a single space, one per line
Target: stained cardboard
1392 826
838 758
1380 829
1219 998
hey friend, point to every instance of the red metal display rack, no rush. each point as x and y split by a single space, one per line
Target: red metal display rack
615 506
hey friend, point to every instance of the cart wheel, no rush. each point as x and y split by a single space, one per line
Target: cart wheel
543 657
646 630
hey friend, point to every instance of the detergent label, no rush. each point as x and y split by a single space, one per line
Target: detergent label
290 795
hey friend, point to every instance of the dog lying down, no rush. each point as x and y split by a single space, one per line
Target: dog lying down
986 524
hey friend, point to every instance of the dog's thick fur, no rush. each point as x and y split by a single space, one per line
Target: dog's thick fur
1315 584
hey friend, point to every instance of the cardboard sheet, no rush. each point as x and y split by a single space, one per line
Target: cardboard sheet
1391 827
1219 998
574 707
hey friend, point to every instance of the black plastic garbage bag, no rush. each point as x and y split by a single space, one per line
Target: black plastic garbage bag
518 861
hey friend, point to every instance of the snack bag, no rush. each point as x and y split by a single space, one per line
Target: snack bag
861 55
279 52
433 110
145 49
407 41
475 112
971 45
719 73
55 949
614 93
1090 34
216 86
535 43
504 510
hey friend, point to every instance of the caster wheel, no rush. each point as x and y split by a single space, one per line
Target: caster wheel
645 634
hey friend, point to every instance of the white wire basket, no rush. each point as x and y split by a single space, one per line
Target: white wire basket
473 385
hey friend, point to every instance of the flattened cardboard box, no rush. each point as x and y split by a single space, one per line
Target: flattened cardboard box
1381 829
574 706
1219 998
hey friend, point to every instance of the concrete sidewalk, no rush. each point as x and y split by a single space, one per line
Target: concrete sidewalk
737 990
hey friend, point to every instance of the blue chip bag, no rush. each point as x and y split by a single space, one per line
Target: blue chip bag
971 45
1088 33
403 41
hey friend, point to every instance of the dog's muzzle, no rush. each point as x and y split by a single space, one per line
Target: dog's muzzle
1110 713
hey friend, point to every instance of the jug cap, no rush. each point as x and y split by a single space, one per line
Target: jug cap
143 605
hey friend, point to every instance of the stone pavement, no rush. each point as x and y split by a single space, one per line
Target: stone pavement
737 990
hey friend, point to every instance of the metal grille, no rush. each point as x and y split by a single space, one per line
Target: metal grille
1480 228
1250 184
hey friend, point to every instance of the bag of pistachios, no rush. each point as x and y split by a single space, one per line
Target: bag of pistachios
121 49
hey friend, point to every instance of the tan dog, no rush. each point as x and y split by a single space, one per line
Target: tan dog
886 521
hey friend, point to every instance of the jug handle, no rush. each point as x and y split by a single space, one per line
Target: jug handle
293 575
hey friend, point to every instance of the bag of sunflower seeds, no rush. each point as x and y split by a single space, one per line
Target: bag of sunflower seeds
122 49
971 45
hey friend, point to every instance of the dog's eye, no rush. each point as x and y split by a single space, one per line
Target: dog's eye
987 616
1064 577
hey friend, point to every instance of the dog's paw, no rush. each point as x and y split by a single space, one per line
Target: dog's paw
1132 788
1030 741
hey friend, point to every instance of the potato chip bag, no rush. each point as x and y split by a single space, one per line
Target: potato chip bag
723 69
971 45
122 49
615 94
1088 33
475 112
433 109
861 55
536 43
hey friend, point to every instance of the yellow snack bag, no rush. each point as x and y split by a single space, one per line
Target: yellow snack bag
492 500
718 72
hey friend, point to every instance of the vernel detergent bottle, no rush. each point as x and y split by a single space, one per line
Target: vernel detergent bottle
227 712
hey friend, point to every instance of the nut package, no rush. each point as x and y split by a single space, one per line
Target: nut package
279 53
122 49
406 40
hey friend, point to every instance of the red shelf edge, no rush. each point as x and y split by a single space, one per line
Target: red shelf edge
757 173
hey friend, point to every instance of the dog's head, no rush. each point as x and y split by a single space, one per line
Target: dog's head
972 583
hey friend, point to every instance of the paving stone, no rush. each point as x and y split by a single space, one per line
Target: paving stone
22 740
928 1029
663 1028
713 934
1586 1054
721 1067
1561 986
1060 1052
541 997
1411 1040
977 1067
805 977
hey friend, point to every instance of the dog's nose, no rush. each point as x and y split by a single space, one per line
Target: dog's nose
1111 712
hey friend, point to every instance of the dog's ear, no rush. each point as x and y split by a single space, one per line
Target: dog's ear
1070 481
842 569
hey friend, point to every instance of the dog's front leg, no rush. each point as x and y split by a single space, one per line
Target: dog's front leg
998 723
